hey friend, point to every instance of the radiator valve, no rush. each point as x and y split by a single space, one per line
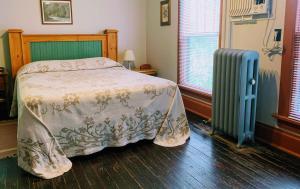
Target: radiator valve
252 82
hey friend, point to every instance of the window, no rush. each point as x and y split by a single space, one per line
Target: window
295 101
199 28
289 101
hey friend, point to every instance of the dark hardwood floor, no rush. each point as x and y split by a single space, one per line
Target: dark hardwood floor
204 162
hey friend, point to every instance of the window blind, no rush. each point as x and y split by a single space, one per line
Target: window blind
199 25
295 103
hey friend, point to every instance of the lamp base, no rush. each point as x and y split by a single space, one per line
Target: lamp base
129 65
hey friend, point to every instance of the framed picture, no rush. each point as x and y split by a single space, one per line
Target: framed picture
56 12
165 13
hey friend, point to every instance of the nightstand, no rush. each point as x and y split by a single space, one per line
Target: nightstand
3 96
151 71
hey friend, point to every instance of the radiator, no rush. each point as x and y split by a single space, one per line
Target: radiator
234 96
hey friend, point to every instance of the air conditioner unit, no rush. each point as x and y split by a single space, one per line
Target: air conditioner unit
248 9
260 7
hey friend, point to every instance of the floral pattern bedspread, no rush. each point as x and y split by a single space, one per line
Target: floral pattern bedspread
78 107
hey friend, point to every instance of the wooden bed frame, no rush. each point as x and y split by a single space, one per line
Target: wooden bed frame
20 44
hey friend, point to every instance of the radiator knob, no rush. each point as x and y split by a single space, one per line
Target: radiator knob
252 82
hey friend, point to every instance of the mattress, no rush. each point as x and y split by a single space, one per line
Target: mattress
79 107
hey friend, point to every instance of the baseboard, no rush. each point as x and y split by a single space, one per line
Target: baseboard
8 138
198 107
279 138
8 153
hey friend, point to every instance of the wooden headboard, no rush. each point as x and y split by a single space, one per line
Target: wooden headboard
33 47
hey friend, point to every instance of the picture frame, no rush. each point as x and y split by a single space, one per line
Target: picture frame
56 12
165 13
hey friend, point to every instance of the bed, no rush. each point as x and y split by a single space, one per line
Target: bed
80 101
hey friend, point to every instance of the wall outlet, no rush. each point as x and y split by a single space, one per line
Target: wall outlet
278 34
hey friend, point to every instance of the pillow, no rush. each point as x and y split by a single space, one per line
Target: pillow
68 65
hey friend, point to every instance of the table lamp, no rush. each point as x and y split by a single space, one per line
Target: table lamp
129 59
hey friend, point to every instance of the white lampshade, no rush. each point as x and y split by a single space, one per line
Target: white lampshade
129 55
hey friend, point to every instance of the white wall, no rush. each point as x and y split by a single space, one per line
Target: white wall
162 41
162 51
89 16
251 37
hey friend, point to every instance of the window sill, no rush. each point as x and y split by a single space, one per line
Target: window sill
289 121
195 93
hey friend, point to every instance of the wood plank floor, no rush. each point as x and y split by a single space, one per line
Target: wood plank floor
204 162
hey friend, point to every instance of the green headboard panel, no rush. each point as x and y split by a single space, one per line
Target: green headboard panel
65 50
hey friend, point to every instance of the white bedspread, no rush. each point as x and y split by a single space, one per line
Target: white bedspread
79 107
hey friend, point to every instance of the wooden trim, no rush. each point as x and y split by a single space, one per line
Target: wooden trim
15 31
196 106
287 58
282 139
291 121
63 37
178 43
8 138
16 50
279 138
8 153
151 71
19 44
221 23
201 94
112 44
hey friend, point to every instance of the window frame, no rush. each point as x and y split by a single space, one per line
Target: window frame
200 94
287 67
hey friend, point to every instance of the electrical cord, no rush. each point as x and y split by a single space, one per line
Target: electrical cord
276 49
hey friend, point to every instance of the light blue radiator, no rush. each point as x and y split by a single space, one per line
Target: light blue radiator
235 93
